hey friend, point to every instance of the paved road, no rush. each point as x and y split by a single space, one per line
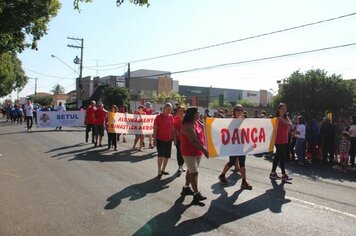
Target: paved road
52 183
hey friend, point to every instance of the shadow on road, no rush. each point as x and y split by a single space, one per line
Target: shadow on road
138 191
222 210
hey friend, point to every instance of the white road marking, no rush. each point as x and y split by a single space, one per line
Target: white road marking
322 207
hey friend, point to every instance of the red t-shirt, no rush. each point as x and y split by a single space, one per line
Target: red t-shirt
148 111
282 133
100 117
186 147
177 124
164 127
90 115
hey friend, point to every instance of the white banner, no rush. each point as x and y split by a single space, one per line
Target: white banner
51 119
130 123
229 137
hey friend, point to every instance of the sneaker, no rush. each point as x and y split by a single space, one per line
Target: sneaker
285 177
222 179
274 176
246 185
198 197
186 191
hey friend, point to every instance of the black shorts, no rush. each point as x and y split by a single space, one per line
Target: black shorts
99 130
164 149
232 160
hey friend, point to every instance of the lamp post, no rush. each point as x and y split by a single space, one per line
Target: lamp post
54 56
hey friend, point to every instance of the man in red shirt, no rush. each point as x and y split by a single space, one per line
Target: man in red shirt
100 119
162 138
90 121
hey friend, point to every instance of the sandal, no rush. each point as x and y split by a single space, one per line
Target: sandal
165 172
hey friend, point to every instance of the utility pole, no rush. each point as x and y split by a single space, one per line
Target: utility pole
79 61
128 78
35 86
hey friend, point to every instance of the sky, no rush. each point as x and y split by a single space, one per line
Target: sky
117 35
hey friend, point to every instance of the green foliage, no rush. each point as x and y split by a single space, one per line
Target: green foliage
118 3
58 89
114 96
44 101
247 103
216 105
21 19
172 96
12 76
316 92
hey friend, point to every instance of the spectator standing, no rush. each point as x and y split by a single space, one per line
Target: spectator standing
177 123
327 136
60 108
281 142
29 115
162 138
300 140
312 135
90 121
344 149
192 148
352 132
100 119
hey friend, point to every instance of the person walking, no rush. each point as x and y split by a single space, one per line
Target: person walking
192 148
237 113
177 123
90 121
29 115
60 108
112 137
149 111
163 137
281 142
300 140
139 137
100 119
122 109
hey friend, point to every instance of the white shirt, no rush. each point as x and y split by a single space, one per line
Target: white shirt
301 131
29 109
61 108
352 131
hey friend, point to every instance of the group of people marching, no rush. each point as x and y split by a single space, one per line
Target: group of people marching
186 131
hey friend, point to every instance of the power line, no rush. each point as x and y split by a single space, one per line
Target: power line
235 41
251 61
51 76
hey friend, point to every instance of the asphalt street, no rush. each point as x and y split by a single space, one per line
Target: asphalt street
53 183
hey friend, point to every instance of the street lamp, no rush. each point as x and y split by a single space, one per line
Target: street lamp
54 56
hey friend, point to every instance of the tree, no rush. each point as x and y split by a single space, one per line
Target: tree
246 103
215 104
172 96
114 96
12 76
58 89
44 101
316 92
118 2
21 19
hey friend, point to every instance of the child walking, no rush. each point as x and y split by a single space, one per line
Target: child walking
344 148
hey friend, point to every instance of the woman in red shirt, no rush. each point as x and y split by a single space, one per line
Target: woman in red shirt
281 142
162 138
177 123
192 148
140 111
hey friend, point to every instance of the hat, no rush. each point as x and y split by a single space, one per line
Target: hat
148 105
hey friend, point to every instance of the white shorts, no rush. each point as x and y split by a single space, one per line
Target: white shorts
192 163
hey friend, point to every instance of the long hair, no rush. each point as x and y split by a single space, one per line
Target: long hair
189 115
279 107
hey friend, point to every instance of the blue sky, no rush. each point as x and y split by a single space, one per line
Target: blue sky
115 35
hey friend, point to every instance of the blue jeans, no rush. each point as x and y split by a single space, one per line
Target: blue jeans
300 149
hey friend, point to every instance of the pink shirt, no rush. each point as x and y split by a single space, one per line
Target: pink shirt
186 147
164 127
282 133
